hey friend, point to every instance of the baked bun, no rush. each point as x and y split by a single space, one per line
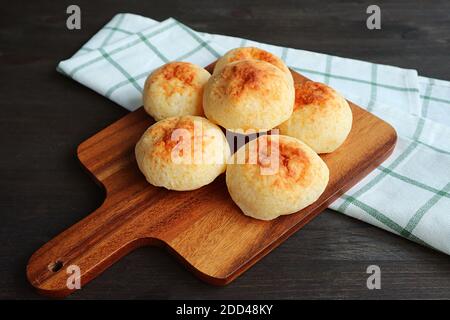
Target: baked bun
283 176
248 94
175 89
246 53
182 153
322 118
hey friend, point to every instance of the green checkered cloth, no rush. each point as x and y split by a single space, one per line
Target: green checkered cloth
409 194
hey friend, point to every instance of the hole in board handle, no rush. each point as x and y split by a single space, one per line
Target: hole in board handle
55 266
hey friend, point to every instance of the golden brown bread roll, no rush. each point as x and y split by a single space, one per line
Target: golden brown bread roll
175 89
246 53
182 153
248 94
322 118
275 175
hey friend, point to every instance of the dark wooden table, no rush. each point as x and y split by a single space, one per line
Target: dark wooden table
44 116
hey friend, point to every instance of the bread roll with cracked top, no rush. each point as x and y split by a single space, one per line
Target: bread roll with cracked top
175 89
284 177
182 153
322 118
248 95
246 53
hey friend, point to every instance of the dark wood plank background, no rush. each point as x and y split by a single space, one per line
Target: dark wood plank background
44 116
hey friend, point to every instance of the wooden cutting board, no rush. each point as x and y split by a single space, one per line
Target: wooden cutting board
204 229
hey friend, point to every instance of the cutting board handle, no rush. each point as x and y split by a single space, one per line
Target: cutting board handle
83 251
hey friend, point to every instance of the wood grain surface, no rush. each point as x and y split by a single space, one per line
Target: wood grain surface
203 228
45 115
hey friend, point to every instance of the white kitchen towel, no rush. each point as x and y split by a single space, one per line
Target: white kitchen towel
409 194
